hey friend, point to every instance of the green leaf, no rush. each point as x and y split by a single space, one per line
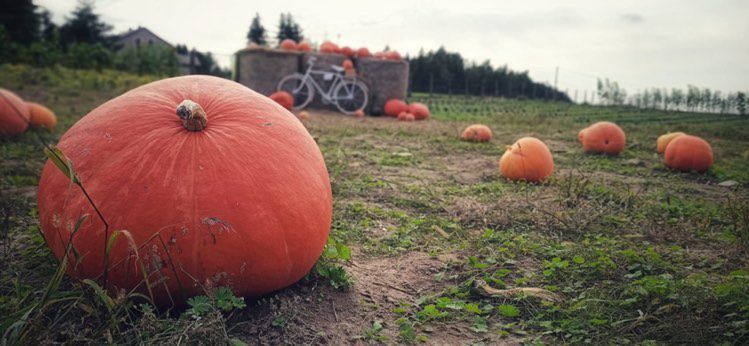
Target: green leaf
199 305
479 325
578 259
508 310
62 162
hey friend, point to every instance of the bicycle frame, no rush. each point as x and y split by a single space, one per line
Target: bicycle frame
337 79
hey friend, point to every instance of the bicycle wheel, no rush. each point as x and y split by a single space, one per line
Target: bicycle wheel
350 96
299 88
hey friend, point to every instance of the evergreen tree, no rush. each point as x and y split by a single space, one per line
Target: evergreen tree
21 21
257 32
85 26
288 29
741 103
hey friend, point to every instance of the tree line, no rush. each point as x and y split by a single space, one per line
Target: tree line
83 41
693 99
288 28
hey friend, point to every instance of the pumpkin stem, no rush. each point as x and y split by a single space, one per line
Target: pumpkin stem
192 115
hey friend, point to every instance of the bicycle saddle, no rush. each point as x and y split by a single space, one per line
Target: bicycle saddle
336 68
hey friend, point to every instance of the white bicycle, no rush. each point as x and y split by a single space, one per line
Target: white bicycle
347 93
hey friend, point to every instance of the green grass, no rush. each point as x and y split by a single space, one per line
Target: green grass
638 253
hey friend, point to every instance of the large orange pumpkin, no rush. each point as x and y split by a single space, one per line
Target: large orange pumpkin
329 48
477 133
14 114
581 135
392 55
528 159
393 107
218 186
604 137
347 51
42 116
663 140
689 153
406 116
304 46
363 52
283 98
288 44
419 110
348 65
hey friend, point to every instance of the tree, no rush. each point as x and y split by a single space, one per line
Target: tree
20 20
288 29
257 32
85 26
741 102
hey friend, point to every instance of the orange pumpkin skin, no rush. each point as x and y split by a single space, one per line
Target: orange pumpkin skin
379 55
394 107
405 116
529 159
303 115
283 98
304 46
581 135
392 55
363 52
477 133
347 51
245 202
42 116
329 48
604 137
14 114
419 110
359 113
348 65
663 141
288 44
689 153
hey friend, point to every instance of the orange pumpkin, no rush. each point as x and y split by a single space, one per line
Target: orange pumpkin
604 137
329 48
303 115
689 153
348 65
347 51
42 116
283 98
392 55
419 110
581 135
288 44
663 141
216 184
304 46
477 133
529 159
379 55
359 113
363 52
14 114
406 116
394 107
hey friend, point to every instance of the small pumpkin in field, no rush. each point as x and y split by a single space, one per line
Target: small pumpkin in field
394 107
529 159
363 52
347 51
329 48
303 115
406 116
283 98
359 113
392 55
477 133
663 140
604 137
419 110
304 46
14 114
214 184
581 135
288 44
348 65
689 153
42 116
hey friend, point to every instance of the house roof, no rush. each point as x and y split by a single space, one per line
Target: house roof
131 32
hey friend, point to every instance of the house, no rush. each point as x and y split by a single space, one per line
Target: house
142 37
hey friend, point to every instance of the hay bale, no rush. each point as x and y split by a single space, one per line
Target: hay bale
386 79
261 68
323 63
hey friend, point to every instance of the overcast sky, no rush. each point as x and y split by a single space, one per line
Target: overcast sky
643 43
